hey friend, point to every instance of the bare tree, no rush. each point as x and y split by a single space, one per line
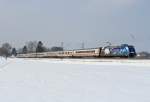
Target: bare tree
31 46
55 48
6 50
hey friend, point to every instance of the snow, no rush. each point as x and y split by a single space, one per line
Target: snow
74 80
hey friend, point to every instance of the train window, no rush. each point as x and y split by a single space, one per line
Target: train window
131 49
90 51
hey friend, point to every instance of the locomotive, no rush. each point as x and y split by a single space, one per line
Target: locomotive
121 51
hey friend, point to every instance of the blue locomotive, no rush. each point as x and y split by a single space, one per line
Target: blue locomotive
123 50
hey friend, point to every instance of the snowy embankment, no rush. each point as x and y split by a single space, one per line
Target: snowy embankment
74 80
134 62
4 62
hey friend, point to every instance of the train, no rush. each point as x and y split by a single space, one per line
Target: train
120 51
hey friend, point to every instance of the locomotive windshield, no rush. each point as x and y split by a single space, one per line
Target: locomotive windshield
131 49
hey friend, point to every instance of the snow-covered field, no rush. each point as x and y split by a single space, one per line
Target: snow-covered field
74 80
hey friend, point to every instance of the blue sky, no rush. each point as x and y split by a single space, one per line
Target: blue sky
93 22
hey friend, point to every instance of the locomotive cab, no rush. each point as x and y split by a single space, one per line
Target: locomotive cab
132 52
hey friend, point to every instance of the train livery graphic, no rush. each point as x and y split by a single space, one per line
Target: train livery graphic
124 50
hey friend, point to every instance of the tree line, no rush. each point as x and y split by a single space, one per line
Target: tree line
7 50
